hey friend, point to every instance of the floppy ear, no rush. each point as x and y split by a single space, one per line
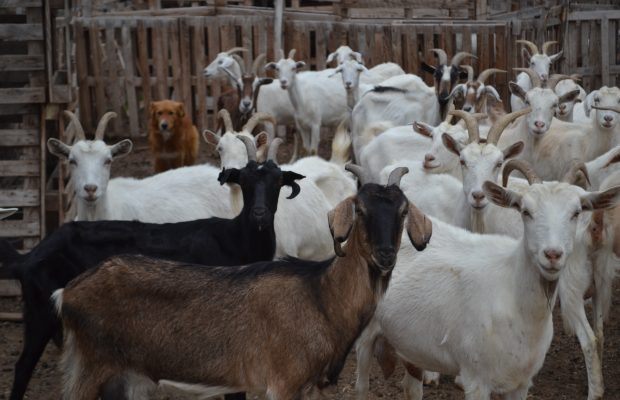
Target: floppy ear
180 110
423 129
211 137
330 57
300 64
270 65
570 96
513 150
340 221
428 68
419 228
228 175
261 139
58 148
490 91
288 179
451 144
121 148
458 89
601 200
264 81
587 105
517 90
502 197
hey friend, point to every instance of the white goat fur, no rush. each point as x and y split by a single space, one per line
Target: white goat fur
440 313
567 111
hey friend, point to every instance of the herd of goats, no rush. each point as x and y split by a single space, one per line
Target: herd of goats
307 259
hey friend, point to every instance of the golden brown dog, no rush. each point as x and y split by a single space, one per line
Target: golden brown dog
172 137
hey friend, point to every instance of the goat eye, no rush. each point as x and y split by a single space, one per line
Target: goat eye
463 163
527 102
533 63
220 62
107 162
498 165
527 214
72 162
575 215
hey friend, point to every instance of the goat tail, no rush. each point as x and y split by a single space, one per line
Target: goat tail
341 145
8 255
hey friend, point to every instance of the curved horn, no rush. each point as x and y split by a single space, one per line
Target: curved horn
458 57
240 61
257 63
256 118
522 166
532 46
470 72
359 172
576 77
536 82
441 55
273 149
77 125
571 174
472 125
608 108
103 123
555 79
249 146
546 45
230 52
484 75
291 54
225 117
498 127
396 174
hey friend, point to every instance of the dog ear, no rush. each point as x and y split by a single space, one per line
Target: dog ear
180 110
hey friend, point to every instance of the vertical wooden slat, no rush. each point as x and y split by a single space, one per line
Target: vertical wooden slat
97 62
200 62
214 48
605 51
132 105
160 59
322 32
429 56
178 88
113 81
82 71
186 68
143 56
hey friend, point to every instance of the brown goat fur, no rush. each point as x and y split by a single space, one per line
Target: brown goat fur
281 327
172 137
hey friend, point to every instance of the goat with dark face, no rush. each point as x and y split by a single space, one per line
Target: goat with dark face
78 246
446 75
221 330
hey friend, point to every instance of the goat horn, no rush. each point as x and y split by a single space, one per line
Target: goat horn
230 52
449 115
103 123
249 146
554 79
441 55
472 125
458 57
256 118
281 53
291 54
484 75
225 117
522 166
257 62
608 108
546 45
359 172
571 174
396 174
576 77
498 127
273 149
532 46
77 125
240 61
470 72
536 82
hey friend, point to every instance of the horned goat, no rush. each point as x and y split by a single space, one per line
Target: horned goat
233 308
567 111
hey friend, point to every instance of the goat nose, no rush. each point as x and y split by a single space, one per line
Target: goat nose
539 124
544 77
553 255
562 107
429 157
467 108
386 256
246 103
260 211
608 118
478 196
90 189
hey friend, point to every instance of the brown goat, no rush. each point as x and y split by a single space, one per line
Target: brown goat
280 327
172 137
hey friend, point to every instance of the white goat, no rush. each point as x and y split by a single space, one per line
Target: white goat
376 74
538 62
316 99
479 306
227 66
567 111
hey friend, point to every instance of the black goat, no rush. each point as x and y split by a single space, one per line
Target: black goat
78 246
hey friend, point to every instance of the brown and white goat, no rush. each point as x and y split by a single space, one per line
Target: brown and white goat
279 327
474 95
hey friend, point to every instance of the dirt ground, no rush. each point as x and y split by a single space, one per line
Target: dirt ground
563 376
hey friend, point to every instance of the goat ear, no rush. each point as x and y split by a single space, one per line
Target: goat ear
180 110
526 55
501 196
228 175
556 56
513 150
58 148
517 90
264 81
211 137
288 179
587 105
340 221
490 90
601 200
121 148
300 65
423 129
459 89
270 66
419 227
462 73
451 144
330 57
570 96
428 68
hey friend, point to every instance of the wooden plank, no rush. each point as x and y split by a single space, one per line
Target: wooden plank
143 65
20 3
113 67
96 61
10 288
321 45
130 89
213 33
19 137
82 77
22 95
19 168
605 51
12 229
21 32
186 68
199 63
175 59
160 59
11 317
19 198
21 63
